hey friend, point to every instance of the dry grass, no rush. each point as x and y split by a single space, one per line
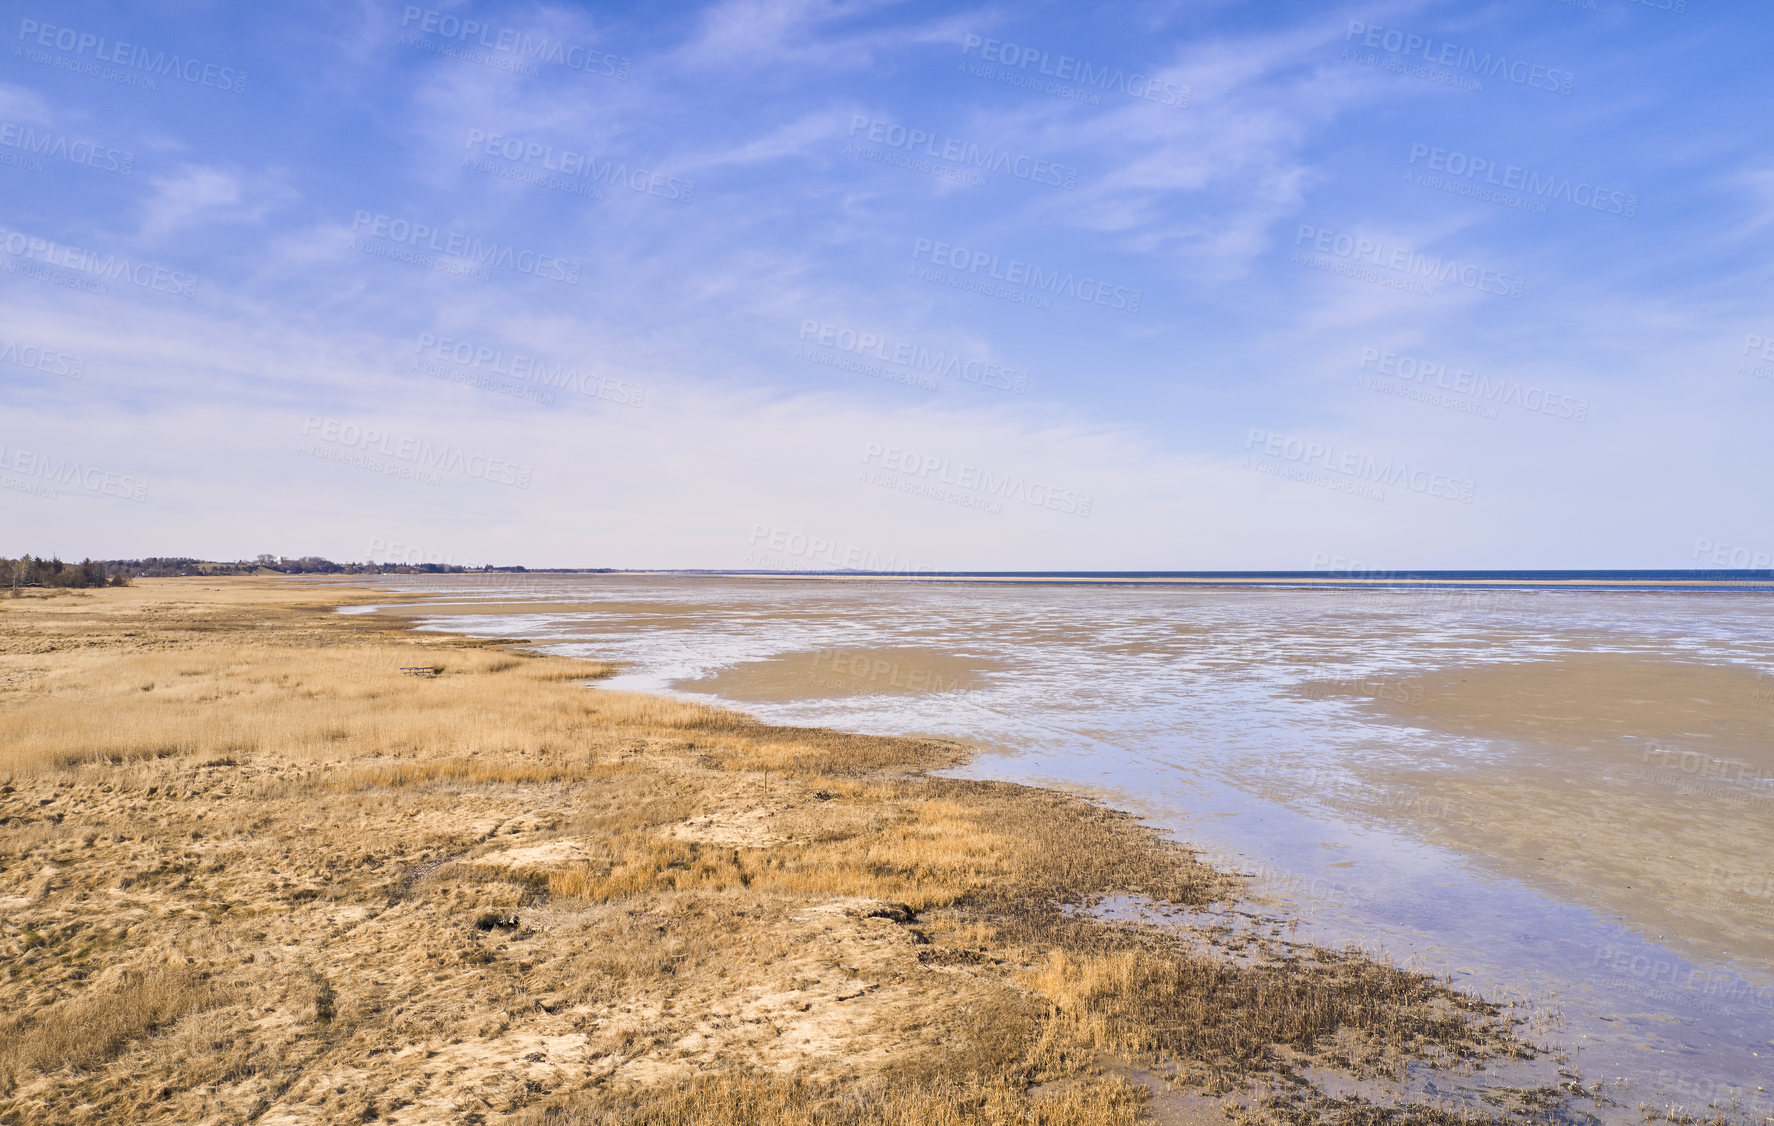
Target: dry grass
1215 1021
244 698
89 1029
257 872
777 1102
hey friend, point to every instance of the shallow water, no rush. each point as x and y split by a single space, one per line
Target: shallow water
1206 711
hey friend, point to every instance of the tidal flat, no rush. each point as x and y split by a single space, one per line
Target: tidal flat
267 862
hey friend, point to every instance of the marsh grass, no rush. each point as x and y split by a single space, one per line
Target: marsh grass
1215 1021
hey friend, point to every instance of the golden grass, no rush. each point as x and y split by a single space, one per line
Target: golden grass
780 1102
500 894
89 1029
1219 1019
924 858
241 699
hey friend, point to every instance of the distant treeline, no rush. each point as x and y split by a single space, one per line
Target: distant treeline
30 570
33 571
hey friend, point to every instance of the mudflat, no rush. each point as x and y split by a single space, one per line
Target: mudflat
1638 783
268 862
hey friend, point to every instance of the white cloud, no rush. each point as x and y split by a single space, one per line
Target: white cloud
17 103
817 35
209 195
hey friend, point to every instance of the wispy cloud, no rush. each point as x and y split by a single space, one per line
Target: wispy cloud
209 196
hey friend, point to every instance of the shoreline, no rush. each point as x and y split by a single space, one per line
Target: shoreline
924 896
1437 799
1611 953
1602 950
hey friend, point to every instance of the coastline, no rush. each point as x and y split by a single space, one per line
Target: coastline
1639 804
462 841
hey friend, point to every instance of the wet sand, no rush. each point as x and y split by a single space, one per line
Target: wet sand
1643 786
502 608
828 673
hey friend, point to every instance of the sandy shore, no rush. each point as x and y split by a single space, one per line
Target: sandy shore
267 862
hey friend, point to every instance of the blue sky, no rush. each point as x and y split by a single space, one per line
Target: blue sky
801 285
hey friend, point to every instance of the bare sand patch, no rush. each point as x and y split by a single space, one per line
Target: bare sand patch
1639 785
